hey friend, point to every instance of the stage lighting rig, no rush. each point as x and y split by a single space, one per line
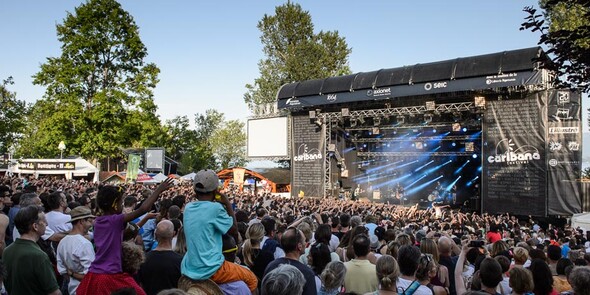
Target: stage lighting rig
430 106
427 118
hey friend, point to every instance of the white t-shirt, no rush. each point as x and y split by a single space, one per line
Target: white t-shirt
58 221
404 284
75 253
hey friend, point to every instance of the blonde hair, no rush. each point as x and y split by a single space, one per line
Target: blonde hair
403 240
520 255
133 257
428 246
499 247
521 280
333 275
180 247
387 271
254 236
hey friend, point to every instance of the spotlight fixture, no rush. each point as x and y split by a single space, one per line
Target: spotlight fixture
430 106
353 122
480 102
427 118
401 119
376 121
361 120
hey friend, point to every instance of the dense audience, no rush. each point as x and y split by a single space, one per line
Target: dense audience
75 237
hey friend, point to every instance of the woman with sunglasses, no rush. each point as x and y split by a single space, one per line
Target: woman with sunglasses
427 270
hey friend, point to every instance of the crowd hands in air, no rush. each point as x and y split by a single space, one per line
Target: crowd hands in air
76 237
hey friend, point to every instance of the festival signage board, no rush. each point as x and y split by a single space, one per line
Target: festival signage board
564 152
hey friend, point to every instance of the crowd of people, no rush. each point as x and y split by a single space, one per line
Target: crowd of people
62 236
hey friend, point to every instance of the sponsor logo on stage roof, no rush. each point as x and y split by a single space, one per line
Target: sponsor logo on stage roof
436 85
293 102
379 92
307 155
506 152
332 97
503 78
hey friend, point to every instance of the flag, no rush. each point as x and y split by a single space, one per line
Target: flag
239 175
132 167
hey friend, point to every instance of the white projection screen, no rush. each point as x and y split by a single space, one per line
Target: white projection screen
268 138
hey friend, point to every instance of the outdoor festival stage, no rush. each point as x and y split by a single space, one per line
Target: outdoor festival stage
489 131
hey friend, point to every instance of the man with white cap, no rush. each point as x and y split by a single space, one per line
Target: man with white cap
205 222
75 253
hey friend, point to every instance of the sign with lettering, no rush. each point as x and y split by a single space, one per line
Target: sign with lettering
61 165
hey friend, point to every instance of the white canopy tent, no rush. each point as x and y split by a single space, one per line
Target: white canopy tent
581 220
70 168
189 176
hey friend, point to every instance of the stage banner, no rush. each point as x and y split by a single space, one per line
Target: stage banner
239 175
514 167
132 167
564 154
307 163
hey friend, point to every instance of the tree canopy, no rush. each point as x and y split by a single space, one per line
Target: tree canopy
214 143
98 95
293 52
13 113
565 30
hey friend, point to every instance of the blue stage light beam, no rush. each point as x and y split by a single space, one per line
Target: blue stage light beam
438 167
419 168
450 186
415 181
461 168
421 186
472 181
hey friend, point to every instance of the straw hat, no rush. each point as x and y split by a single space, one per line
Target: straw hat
204 287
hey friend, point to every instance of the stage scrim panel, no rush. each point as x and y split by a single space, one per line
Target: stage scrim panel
268 138
514 161
308 158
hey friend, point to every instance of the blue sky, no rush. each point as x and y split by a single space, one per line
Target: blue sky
208 50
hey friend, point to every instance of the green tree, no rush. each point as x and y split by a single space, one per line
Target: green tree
565 30
229 144
294 53
12 116
214 143
98 94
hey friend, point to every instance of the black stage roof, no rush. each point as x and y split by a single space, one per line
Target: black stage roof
502 69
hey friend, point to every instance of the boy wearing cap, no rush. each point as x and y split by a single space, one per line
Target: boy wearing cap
75 253
205 222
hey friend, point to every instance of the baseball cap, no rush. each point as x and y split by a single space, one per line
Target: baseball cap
206 181
80 212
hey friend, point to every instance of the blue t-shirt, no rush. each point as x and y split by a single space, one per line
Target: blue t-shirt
204 224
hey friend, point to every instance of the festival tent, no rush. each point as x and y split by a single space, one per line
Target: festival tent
189 176
69 168
581 220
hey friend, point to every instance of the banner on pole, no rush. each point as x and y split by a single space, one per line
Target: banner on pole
132 167
239 175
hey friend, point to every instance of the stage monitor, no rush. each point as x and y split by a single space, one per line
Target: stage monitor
268 138
154 159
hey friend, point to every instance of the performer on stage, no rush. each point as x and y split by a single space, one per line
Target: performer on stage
357 192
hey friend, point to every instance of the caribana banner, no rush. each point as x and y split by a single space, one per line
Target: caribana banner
132 167
239 175
514 160
564 154
307 164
